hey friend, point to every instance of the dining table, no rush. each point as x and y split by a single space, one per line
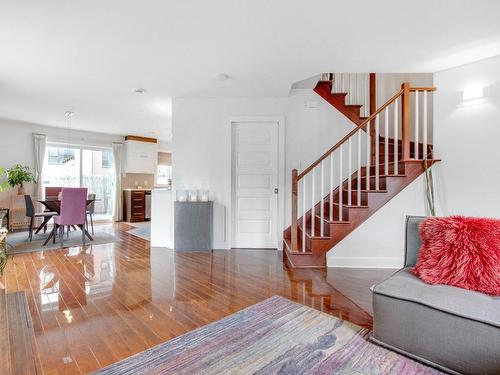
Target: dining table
53 204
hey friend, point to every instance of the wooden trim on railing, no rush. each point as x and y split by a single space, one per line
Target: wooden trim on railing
349 135
140 139
405 116
373 93
422 89
373 108
294 210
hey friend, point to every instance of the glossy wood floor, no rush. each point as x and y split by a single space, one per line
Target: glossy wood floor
96 305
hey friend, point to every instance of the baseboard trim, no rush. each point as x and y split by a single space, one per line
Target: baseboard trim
365 262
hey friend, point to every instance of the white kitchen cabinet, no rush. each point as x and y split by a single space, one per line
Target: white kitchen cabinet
140 157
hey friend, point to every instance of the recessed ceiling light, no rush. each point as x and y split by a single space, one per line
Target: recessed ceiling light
140 90
223 77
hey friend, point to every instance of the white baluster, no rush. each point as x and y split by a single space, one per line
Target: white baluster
349 90
424 125
386 143
331 187
356 91
349 172
416 126
340 184
322 207
304 215
368 155
396 137
359 169
313 214
377 145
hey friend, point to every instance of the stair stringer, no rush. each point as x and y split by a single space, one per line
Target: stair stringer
318 247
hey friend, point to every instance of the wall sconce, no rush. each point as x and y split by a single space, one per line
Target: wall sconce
473 92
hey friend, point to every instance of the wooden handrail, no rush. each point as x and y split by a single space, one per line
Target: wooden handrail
349 135
422 89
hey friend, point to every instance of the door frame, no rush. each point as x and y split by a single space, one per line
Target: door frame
280 120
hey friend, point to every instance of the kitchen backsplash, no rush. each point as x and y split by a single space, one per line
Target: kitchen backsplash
134 180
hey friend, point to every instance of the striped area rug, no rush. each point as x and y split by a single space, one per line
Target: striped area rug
276 336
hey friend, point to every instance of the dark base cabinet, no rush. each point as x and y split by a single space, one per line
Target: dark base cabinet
193 226
134 204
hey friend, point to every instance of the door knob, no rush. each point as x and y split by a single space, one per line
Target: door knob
275 190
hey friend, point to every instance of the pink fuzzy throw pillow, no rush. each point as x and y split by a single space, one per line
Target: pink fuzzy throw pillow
462 252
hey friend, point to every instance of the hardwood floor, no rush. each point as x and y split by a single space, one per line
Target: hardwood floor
96 305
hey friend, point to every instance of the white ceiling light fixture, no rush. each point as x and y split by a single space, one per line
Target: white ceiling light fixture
473 92
140 90
223 77
68 115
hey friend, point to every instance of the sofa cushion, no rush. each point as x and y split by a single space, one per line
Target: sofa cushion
477 306
461 251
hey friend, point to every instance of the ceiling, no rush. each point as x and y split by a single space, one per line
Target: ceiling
88 56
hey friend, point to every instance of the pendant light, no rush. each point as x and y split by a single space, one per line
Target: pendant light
68 116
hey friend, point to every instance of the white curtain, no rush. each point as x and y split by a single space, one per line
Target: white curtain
40 146
117 158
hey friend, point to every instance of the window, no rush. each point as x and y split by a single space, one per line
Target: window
164 175
58 155
164 169
81 166
107 159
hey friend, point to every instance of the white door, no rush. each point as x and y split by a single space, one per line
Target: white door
254 184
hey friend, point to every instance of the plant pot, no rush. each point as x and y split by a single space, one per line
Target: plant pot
20 190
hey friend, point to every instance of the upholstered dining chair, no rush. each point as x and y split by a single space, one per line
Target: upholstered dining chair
30 212
52 192
73 211
91 210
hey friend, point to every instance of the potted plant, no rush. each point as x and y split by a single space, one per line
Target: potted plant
18 175
3 179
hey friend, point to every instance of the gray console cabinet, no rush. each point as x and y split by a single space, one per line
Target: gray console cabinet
193 226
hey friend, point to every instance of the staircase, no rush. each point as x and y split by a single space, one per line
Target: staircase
384 153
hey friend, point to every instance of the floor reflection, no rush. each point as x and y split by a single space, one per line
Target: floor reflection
93 306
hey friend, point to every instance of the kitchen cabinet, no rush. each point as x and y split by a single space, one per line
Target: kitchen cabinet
140 156
136 205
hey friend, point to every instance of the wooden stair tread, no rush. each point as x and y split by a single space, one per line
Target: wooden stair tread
288 244
330 222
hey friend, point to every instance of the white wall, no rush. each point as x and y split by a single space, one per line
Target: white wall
378 242
467 138
17 144
201 148
202 138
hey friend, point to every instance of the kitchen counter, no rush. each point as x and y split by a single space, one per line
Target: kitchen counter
137 189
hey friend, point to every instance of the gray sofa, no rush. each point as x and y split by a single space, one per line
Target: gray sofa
454 329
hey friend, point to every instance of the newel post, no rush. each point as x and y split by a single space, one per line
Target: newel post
405 114
294 210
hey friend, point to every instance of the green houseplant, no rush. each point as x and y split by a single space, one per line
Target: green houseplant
3 179
18 175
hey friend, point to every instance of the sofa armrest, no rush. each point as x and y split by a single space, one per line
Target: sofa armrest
412 239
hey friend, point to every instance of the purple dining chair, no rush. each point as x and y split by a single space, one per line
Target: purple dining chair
73 211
